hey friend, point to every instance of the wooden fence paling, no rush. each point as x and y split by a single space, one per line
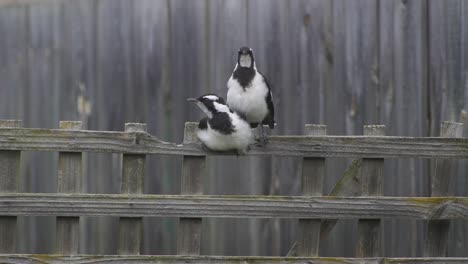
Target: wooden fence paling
69 181
133 172
313 173
437 230
9 174
368 244
193 168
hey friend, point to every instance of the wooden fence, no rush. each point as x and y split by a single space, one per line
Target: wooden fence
313 210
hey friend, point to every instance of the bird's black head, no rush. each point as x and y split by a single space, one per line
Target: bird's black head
245 57
210 104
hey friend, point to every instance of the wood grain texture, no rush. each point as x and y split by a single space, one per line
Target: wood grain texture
9 178
193 169
308 146
447 81
69 181
448 92
348 185
133 172
93 259
441 176
326 207
436 243
154 36
127 58
226 24
369 230
353 100
405 103
313 173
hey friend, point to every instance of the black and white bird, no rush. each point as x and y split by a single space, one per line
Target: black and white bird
249 92
222 129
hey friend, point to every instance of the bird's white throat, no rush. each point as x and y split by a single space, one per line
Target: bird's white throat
245 60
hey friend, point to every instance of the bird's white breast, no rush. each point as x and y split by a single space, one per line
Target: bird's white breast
238 140
249 101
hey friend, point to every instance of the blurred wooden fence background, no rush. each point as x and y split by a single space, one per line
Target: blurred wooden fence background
344 63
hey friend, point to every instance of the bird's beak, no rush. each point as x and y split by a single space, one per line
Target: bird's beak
193 100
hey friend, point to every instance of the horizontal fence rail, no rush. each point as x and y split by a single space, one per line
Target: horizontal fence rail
303 146
56 259
321 207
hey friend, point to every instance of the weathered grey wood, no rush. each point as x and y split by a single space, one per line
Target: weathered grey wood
200 206
69 181
9 178
446 87
193 169
437 231
133 172
368 244
403 74
313 173
48 51
348 185
308 146
91 259
440 179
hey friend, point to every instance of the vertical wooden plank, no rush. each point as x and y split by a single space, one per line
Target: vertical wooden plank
352 100
404 100
43 87
13 60
226 31
448 95
457 242
152 44
313 173
133 172
9 174
437 230
315 57
369 230
193 168
79 72
112 40
69 181
446 79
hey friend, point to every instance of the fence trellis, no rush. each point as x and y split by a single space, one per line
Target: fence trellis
191 206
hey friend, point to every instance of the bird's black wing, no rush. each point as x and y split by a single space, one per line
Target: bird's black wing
221 122
203 124
270 118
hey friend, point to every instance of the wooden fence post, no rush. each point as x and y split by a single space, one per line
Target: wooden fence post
9 177
193 169
313 173
133 173
437 230
69 181
372 171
